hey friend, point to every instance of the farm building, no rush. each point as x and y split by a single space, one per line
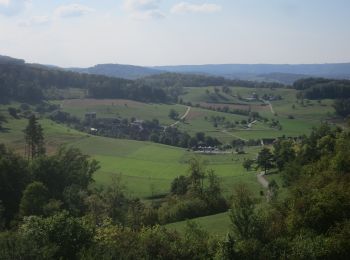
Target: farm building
90 115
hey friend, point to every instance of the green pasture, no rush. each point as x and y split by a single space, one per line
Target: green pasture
147 168
217 225
305 116
114 108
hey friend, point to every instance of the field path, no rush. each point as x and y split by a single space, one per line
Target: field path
182 117
228 133
262 180
271 107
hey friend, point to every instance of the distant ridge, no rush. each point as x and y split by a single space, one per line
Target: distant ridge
284 73
119 71
10 60
279 73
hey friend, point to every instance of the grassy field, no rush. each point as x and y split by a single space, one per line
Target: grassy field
217 225
147 168
305 116
112 108
296 119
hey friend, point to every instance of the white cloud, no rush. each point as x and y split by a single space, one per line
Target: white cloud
185 7
141 5
4 2
143 9
36 21
61 12
146 15
12 7
72 10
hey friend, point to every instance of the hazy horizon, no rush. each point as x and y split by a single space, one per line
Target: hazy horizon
173 32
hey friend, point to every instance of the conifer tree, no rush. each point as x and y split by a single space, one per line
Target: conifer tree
34 138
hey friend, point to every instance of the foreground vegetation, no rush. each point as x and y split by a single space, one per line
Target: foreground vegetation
121 187
50 211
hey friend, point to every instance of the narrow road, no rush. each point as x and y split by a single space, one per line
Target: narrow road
182 117
228 133
262 180
270 105
251 124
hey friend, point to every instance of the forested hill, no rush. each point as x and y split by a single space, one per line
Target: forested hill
196 80
9 60
31 83
320 88
34 82
119 71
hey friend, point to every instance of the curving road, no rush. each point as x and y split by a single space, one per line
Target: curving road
262 180
270 105
182 117
236 136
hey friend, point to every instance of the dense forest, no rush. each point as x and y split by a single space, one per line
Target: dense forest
29 83
320 88
196 80
32 83
49 210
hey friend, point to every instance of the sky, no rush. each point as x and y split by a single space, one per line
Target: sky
82 33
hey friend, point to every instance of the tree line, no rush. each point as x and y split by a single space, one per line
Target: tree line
34 83
148 130
30 83
320 88
169 79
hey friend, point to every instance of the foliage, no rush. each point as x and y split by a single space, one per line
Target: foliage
30 83
342 107
319 88
173 114
247 164
14 177
283 152
264 159
65 168
34 138
34 198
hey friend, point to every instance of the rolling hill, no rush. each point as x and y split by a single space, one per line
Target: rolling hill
119 71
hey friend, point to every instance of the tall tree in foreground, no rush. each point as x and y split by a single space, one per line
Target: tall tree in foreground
34 138
2 120
34 198
342 107
264 159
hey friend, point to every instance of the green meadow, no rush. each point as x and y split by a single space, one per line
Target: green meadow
146 168
217 225
113 108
